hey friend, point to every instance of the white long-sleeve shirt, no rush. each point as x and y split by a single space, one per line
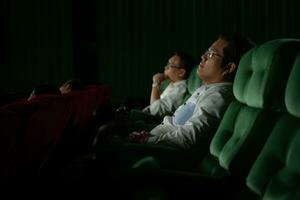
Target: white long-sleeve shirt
195 120
171 98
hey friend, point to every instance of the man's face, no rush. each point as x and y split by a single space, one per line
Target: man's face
173 68
210 69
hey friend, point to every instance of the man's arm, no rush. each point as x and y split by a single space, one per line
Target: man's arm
202 125
172 100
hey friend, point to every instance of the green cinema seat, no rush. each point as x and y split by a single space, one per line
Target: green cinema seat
276 172
259 89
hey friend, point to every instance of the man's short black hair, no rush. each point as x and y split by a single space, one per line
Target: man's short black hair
238 46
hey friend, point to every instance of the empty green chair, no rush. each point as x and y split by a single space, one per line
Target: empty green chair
276 172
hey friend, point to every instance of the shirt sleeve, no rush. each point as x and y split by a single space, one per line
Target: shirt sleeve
168 104
201 126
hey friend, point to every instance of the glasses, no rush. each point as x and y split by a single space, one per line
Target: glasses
170 65
211 53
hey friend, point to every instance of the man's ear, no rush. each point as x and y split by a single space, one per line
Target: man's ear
230 68
182 73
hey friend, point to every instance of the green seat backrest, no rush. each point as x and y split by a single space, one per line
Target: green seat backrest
275 174
164 84
259 89
193 82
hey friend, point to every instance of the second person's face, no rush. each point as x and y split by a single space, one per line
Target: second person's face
173 68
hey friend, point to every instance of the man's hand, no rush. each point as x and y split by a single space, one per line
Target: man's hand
139 137
159 77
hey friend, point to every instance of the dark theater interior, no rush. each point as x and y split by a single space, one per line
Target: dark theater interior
156 99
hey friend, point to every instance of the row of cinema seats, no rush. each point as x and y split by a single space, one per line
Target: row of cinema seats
33 133
255 153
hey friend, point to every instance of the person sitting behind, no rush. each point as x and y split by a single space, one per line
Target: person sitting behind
176 71
70 85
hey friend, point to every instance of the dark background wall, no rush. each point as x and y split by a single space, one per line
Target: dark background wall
124 42
38 47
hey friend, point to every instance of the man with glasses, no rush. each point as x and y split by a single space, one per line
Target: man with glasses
191 127
194 123
176 71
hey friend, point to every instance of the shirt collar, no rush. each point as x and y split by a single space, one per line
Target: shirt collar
178 82
204 87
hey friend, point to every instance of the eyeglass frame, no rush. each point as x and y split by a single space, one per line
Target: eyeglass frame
170 65
210 53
